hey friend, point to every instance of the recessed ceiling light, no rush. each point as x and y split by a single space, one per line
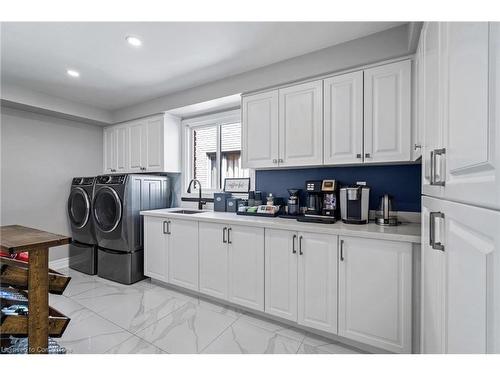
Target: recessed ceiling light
72 73
134 41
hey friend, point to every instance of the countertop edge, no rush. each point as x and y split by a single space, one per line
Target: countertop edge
259 222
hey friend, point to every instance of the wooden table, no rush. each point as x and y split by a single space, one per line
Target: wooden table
16 239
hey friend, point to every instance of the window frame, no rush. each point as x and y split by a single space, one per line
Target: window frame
215 119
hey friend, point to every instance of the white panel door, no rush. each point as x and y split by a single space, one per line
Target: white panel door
418 101
155 248
154 145
301 125
387 113
183 253
432 56
461 308
246 266
260 130
375 293
121 138
317 281
343 119
109 150
281 273
137 146
471 130
213 259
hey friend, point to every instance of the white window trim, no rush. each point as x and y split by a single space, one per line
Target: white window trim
220 118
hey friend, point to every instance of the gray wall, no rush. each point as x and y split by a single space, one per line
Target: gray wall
39 156
391 43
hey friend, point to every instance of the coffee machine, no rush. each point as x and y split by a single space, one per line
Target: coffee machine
293 205
354 204
321 202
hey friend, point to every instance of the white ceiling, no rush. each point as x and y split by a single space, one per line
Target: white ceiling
174 55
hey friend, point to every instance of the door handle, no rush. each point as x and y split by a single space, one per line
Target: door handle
341 250
280 160
358 156
433 179
294 251
432 230
367 155
229 235
224 235
300 245
416 146
165 231
275 161
168 227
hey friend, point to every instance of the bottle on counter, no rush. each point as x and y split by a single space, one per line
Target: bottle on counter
270 199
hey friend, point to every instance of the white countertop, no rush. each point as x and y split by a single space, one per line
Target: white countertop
407 232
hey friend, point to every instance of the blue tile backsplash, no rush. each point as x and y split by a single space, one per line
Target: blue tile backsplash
400 181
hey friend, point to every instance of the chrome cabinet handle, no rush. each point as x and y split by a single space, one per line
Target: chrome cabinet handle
341 250
367 155
168 227
294 251
432 230
275 161
165 231
280 160
300 246
433 180
229 235
358 156
224 235
416 146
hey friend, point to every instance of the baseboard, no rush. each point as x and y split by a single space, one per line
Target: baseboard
59 264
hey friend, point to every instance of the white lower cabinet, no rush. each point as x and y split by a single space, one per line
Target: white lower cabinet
375 292
156 248
232 263
183 253
281 273
246 266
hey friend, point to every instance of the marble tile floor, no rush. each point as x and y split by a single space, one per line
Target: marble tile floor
145 318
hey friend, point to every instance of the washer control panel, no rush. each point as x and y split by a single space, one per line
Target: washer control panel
83 181
114 179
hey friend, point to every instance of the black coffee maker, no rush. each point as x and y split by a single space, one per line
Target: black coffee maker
320 202
314 197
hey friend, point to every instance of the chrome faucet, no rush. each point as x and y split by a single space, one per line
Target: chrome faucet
201 202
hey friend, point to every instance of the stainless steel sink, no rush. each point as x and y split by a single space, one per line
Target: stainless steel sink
186 212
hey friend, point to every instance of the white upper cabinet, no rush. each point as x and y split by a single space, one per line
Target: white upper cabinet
317 281
387 113
375 293
246 266
281 273
343 119
146 145
109 143
461 273
418 102
260 130
301 124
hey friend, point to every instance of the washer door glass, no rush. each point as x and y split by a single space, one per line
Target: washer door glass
78 207
107 209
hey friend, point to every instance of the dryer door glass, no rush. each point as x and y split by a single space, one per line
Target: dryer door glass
107 209
78 207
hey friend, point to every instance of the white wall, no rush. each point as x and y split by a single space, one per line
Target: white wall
39 156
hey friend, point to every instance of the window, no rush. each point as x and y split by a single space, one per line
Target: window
213 150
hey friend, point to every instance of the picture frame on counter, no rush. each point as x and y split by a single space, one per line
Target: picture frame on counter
237 185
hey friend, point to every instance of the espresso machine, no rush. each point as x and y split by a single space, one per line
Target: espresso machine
321 202
354 204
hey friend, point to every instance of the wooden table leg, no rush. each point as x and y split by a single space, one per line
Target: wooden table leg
38 301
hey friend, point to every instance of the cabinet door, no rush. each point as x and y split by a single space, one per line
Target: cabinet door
317 281
301 125
418 101
183 253
121 138
343 119
213 259
432 105
155 248
472 151
281 273
109 150
137 146
375 293
387 113
154 145
460 293
260 130
246 266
